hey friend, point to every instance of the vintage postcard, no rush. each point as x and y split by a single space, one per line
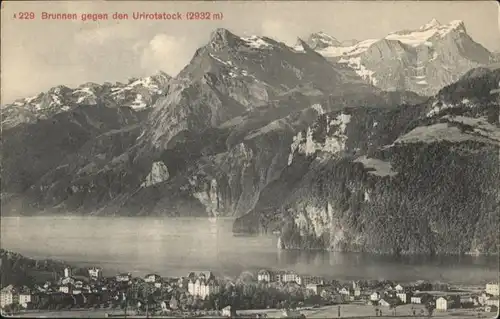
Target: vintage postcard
250 159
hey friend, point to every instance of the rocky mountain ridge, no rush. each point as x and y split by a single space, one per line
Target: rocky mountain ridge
422 60
138 94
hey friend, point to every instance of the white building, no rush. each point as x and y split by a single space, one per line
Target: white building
68 280
7 296
315 288
24 298
444 303
65 289
375 296
152 278
202 287
288 276
403 296
399 288
123 277
345 291
416 300
264 275
95 273
492 288
493 301
67 272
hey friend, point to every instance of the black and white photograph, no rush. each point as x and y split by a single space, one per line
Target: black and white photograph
250 159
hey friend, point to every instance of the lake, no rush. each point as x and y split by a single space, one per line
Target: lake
176 246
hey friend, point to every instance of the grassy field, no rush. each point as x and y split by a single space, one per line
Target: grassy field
346 311
366 311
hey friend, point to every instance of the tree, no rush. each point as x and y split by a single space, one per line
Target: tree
430 308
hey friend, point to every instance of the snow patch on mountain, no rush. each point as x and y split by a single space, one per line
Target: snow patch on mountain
360 69
337 51
256 42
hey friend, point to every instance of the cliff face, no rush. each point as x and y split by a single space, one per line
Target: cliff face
393 180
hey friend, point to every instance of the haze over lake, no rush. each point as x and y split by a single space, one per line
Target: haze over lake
176 246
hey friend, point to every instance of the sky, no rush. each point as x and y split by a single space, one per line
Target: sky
38 54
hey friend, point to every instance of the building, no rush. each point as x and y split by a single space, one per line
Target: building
123 277
67 289
399 288
315 288
388 302
95 273
403 296
492 301
418 299
375 296
492 288
306 280
357 292
202 287
445 303
68 280
152 278
67 272
288 276
7 296
346 291
228 311
264 275
24 298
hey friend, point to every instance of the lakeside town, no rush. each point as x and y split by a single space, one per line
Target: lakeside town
266 293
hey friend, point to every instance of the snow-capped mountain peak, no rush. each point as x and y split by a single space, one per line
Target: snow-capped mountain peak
427 58
221 38
434 23
423 35
321 40
138 94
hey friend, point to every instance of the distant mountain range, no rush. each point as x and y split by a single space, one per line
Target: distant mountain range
422 60
280 137
137 94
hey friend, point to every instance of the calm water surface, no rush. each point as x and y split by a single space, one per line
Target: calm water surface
176 246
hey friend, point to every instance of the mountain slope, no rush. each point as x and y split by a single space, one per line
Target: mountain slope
233 75
393 181
422 60
219 136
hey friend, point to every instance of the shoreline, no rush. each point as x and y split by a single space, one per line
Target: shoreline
111 269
